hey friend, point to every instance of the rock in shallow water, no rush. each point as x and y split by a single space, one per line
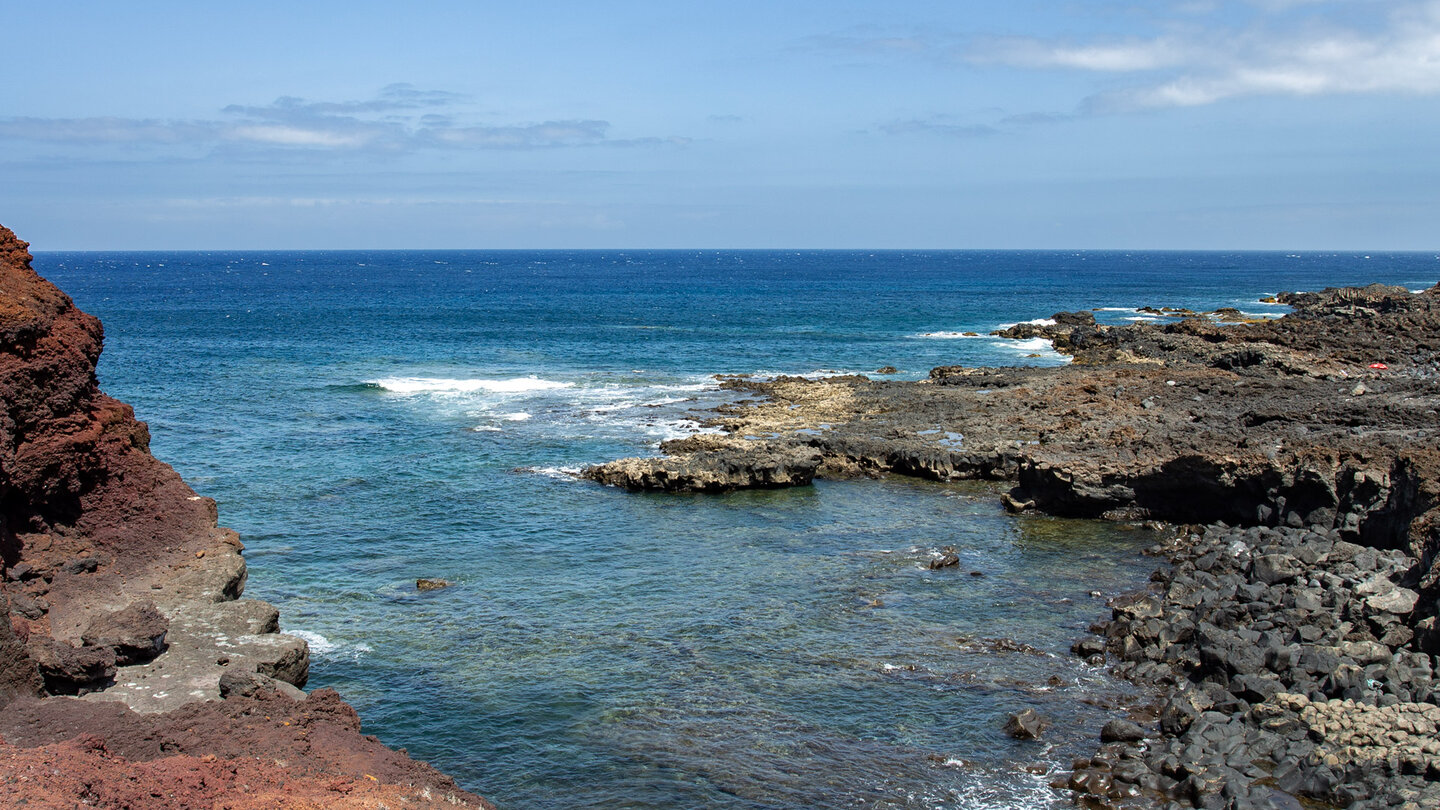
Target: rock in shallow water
1026 724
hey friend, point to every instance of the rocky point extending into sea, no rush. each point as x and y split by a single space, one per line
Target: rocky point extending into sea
1290 638
132 673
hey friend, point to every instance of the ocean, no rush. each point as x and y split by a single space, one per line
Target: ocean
369 418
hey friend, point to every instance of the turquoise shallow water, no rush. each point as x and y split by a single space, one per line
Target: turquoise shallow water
365 419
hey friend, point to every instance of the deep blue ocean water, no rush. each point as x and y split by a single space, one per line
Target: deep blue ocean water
367 418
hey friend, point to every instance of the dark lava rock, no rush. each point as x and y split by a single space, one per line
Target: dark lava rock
887 370
19 676
68 669
701 464
1121 731
136 633
248 684
947 559
82 565
431 584
26 606
1026 724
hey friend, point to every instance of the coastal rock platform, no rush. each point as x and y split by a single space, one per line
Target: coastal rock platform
131 672
1291 640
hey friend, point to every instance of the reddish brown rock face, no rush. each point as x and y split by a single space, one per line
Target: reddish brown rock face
109 559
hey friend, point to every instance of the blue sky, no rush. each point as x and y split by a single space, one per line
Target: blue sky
1284 124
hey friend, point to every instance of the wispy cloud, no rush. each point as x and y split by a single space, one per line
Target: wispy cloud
939 125
1210 52
401 118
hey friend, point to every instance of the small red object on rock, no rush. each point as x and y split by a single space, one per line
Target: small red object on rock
1380 366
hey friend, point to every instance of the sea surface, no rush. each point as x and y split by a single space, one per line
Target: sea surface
368 418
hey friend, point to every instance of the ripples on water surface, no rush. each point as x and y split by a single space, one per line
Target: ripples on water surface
365 419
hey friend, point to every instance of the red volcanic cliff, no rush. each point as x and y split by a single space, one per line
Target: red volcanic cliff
132 674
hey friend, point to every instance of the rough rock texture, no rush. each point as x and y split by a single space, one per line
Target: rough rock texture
118 586
265 750
708 463
1309 442
1286 666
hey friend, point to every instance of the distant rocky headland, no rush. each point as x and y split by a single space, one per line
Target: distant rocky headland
132 673
1291 639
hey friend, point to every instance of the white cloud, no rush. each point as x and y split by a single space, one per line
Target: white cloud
1308 57
392 122
1205 51
1130 56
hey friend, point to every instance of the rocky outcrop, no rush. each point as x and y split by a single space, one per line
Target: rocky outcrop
713 464
120 588
1312 440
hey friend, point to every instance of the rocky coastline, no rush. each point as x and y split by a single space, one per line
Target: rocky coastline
132 671
1290 639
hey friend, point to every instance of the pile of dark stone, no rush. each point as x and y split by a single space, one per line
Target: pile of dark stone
1288 666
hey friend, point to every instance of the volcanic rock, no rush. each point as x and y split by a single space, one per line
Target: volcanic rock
1026 724
136 633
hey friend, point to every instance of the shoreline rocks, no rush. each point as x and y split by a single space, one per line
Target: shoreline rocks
1276 675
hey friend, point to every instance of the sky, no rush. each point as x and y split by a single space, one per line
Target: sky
1195 124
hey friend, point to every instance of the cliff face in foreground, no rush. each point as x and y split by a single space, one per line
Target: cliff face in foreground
131 672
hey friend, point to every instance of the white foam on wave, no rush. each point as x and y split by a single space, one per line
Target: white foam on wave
558 473
519 416
1033 322
319 645
322 647
1013 791
486 429
445 385
1144 319
945 336
1114 309
1029 345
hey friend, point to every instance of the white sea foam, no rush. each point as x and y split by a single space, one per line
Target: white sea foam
558 473
445 385
319 645
1143 319
1033 322
486 429
519 416
1114 309
1011 791
945 335
1028 345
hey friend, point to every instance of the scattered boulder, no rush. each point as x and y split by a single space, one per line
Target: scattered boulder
245 684
1026 724
70 670
136 633
1121 731
431 584
947 558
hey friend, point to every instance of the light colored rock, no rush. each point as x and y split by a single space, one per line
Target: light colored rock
205 641
1398 601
